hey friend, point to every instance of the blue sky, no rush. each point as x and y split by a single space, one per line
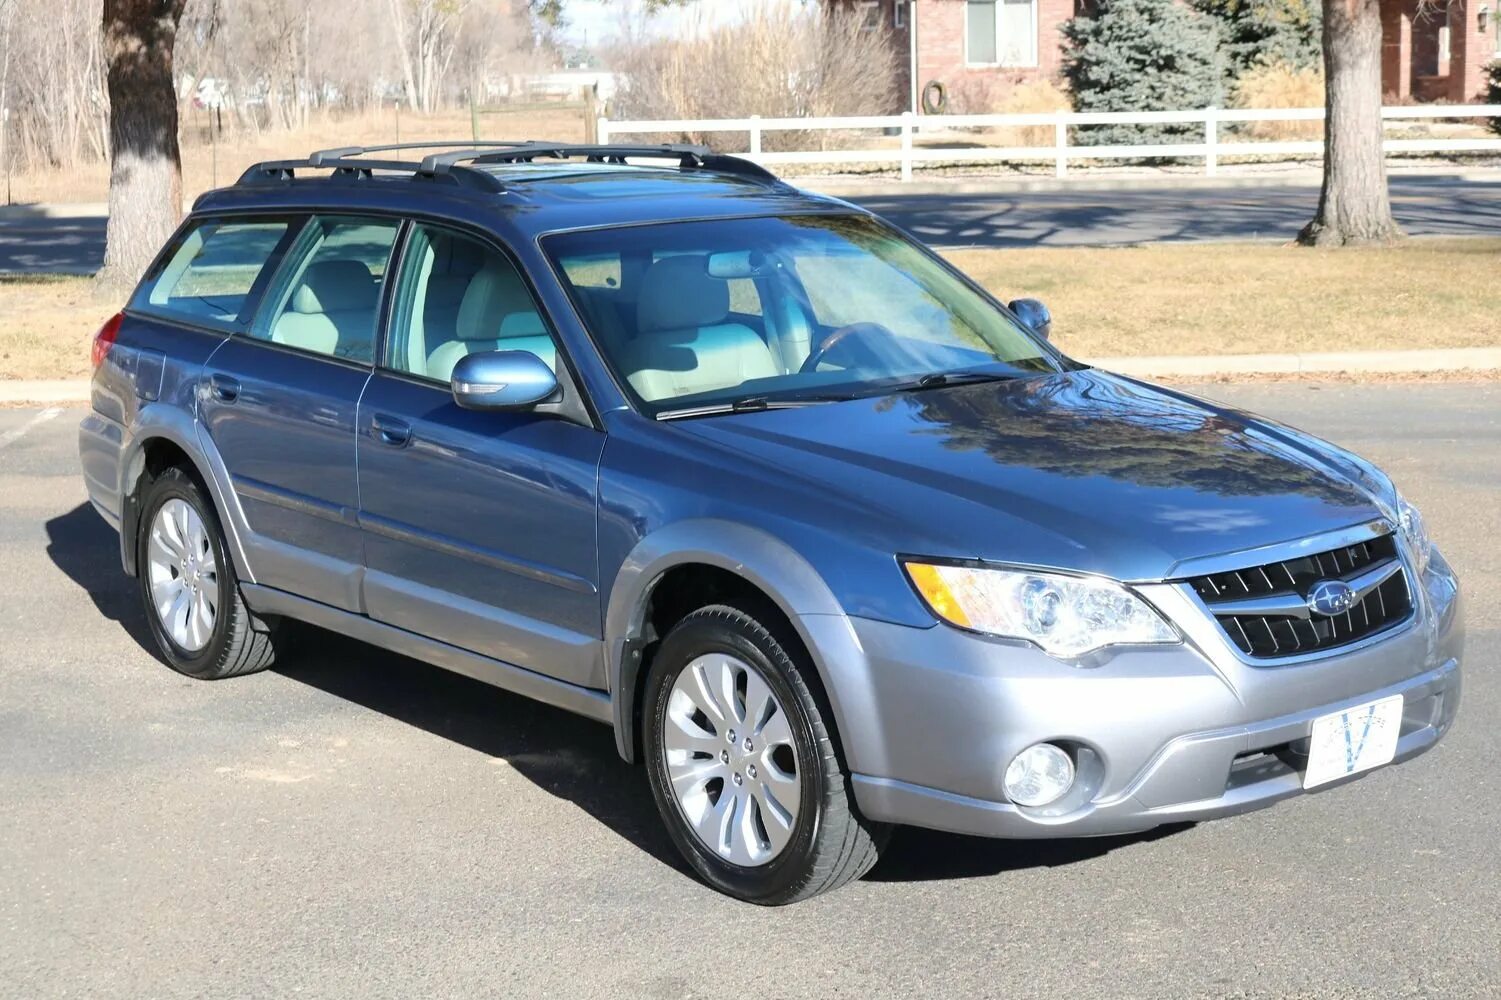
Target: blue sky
597 21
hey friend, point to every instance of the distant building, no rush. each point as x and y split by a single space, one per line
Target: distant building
1433 49
1436 50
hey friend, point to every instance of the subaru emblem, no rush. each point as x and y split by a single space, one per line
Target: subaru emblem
1331 597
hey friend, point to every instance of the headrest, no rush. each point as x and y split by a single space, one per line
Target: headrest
522 324
456 255
334 285
493 293
678 294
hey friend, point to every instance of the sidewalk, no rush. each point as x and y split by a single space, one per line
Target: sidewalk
16 392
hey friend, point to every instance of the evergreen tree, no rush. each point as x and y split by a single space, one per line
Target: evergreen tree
1493 91
1267 32
1142 55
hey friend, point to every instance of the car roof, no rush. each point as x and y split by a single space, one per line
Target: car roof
534 189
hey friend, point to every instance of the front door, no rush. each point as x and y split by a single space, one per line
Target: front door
279 403
479 528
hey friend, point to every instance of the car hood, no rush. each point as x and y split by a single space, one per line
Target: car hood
1081 470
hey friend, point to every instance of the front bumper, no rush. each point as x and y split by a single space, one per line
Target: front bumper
1162 734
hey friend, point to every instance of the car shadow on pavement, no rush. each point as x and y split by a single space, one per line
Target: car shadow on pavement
87 549
564 754
568 756
917 855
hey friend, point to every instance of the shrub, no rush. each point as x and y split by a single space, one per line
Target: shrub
1268 32
1493 91
782 59
1011 97
1280 85
1142 55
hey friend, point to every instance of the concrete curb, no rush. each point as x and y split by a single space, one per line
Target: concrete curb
1476 359
44 391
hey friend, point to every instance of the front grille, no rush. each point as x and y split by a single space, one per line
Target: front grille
1264 609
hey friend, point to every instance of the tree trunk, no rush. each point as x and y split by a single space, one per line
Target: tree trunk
1353 205
398 24
145 180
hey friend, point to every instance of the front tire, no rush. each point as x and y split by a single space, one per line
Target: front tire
743 766
189 589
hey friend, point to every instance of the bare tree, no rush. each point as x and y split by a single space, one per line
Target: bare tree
7 18
145 182
1354 206
781 60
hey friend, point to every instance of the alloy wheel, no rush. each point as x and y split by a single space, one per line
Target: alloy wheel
731 760
184 575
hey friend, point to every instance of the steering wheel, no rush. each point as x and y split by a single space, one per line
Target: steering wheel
836 337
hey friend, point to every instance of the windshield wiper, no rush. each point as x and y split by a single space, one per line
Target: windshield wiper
937 380
746 404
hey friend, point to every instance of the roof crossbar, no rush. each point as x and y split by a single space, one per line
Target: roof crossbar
689 157
459 165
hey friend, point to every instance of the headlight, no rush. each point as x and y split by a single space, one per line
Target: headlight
1416 534
1065 615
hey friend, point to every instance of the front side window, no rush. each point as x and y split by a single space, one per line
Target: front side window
767 309
457 296
326 298
209 276
1000 32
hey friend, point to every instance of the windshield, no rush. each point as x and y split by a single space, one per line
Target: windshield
780 310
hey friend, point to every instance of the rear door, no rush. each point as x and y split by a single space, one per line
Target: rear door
479 527
279 402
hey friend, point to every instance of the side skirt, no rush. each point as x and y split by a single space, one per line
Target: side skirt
587 702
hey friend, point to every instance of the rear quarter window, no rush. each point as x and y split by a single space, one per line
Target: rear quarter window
213 270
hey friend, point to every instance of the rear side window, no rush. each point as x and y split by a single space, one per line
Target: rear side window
211 275
326 298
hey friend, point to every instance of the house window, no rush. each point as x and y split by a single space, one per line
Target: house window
899 14
870 15
1000 32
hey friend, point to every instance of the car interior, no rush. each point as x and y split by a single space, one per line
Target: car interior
465 298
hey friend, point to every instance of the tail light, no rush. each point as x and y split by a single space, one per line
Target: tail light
105 339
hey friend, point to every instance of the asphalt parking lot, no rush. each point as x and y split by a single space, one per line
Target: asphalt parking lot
356 824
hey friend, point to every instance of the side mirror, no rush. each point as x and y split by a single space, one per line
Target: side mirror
502 380
1035 315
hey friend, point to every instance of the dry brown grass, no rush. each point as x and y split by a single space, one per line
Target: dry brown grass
1229 298
47 325
1156 300
90 182
1281 86
1011 97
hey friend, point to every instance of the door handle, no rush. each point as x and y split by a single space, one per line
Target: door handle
391 431
224 388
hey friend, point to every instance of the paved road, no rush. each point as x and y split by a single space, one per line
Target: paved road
1424 206
355 824
33 243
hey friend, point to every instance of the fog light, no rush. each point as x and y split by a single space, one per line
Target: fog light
1038 775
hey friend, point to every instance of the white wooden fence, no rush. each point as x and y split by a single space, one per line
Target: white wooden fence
908 125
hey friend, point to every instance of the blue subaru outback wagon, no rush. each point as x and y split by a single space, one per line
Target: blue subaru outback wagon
830 537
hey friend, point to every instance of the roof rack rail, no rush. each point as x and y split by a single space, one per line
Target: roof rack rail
689 157
460 163
272 171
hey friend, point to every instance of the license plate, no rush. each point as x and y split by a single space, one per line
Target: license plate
1356 739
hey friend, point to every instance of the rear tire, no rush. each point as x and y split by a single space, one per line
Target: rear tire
743 766
188 585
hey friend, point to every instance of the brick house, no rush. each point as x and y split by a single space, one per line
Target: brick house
1434 49
1437 50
